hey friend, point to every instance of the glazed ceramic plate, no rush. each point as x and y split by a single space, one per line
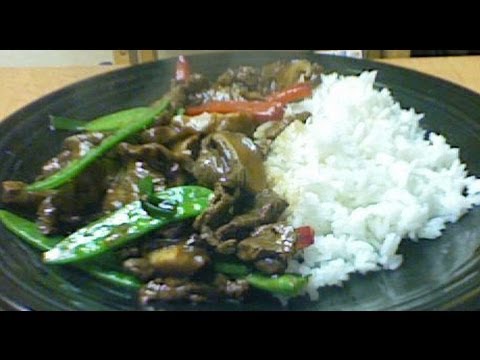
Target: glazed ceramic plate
436 274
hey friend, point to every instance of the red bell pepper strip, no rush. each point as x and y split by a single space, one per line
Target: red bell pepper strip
293 93
259 110
305 237
182 72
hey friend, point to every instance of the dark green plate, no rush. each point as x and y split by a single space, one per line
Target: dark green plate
436 274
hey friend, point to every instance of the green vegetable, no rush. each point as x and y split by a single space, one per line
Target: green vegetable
110 122
120 119
160 210
28 231
286 284
127 224
73 169
145 186
63 123
235 269
154 206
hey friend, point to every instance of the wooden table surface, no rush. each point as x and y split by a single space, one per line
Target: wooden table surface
19 86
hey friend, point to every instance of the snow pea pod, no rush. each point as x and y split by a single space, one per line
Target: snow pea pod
128 224
285 284
28 231
235 269
74 168
110 122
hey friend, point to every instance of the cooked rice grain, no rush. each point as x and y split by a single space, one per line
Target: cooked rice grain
362 174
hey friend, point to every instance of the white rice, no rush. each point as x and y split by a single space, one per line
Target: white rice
362 174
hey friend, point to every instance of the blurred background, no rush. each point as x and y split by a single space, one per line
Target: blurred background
24 58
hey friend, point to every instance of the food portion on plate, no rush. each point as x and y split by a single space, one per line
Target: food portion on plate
272 181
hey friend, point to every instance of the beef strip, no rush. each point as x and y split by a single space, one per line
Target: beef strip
189 92
78 201
208 123
268 247
183 126
271 265
175 289
231 288
248 83
171 289
15 193
231 159
172 165
267 208
242 83
164 134
282 74
268 131
220 211
74 147
124 188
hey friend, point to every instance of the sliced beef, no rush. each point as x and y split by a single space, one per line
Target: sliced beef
242 83
267 208
75 203
267 132
15 193
173 165
274 242
164 134
74 147
226 247
220 209
124 188
271 265
47 217
189 92
247 76
171 289
208 123
282 74
231 288
231 159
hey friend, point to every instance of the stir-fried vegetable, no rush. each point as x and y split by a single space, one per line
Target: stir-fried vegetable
127 224
293 93
110 122
236 269
259 110
286 284
28 231
186 242
76 167
271 109
305 237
